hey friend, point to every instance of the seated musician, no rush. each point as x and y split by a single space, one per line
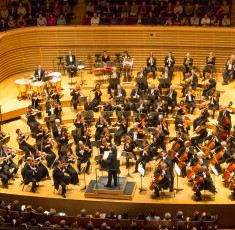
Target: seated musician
192 81
210 65
108 106
23 145
122 130
158 139
163 84
8 152
69 169
57 130
31 119
161 180
202 181
88 105
153 94
47 147
151 63
163 124
182 110
76 93
136 132
29 174
201 134
55 95
178 141
63 142
113 83
230 70
145 156
182 124
59 177
214 102
36 100
203 116
107 135
119 92
53 109
142 106
129 146
160 107
141 79
86 137
71 63
210 85
100 125
169 63
188 65
190 100
97 99
41 170
229 168
4 174
226 153
213 137
83 153
39 73
171 94
224 118
199 160
104 145
40 135
136 92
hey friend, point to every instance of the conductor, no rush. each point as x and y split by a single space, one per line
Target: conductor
112 166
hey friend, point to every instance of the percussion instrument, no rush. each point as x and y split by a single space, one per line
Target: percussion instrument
56 82
54 74
23 86
127 63
37 86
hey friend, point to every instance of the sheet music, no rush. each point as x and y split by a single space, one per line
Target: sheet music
106 154
177 169
214 170
141 169
119 153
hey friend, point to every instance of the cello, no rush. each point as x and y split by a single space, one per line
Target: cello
227 172
191 172
216 157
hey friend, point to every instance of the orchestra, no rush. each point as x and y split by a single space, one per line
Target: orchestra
143 119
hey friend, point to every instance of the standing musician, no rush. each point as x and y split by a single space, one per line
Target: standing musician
105 58
97 99
88 105
203 116
36 100
210 85
171 94
188 65
60 178
113 167
122 130
151 63
29 173
136 92
230 70
76 93
71 63
169 63
114 81
210 65
31 119
100 125
39 73
83 153
161 179
129 146
190 100
145 156
23 145
202 181
201 134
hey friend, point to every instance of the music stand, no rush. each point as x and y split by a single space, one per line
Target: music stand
128 155
139 142
143 115
5 140
107 113
83 170
142 174
81 67
124 113
178 173
112 130
119 99
134 100
114 81
88 116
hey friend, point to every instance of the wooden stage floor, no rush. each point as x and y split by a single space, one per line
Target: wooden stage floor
75 196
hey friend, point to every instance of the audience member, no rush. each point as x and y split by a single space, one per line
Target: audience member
95 20
205 21
225 21
61 20
194 21
152 216
41 21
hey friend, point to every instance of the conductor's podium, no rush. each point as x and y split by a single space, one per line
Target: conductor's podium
97 189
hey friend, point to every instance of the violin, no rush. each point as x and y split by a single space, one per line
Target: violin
140 131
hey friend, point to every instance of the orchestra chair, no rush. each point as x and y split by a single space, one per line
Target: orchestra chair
165 192
88 116
111 222
112 130
125 223
206 193
3 212
97 222
153 224
167 224
82 221
13 214
41 217
140 224
82 100
194 224
180 225
209 224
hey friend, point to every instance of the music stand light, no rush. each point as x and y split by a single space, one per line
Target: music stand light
81 67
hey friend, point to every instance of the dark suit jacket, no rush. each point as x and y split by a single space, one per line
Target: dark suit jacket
172 62
154 62
58 176
88 107
27 173
133 92
123 91
40 76
68 62
112 161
